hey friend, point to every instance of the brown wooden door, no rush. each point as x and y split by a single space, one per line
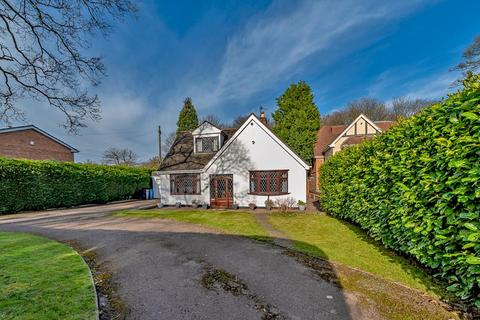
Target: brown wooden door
221 190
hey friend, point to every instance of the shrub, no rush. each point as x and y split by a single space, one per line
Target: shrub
36 185
268 204
285 204
416 188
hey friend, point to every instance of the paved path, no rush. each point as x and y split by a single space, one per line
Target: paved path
279 237
159 265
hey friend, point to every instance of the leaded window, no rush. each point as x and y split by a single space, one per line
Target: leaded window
185 183
271 182
207 144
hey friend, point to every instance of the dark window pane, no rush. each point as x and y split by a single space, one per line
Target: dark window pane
185 183
253 185
269 182
273 181
207 144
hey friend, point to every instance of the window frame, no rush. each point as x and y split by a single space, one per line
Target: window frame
196 183
279 179
197 149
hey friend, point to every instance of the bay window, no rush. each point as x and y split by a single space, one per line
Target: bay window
185 183
271 182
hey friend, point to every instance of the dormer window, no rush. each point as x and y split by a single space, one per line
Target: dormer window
207 138
206 144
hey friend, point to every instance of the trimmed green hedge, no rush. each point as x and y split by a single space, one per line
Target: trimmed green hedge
416 189
36 185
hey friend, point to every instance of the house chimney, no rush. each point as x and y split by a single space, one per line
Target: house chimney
263 118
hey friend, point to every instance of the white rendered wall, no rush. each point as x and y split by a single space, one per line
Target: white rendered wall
161 191
255 149
252 149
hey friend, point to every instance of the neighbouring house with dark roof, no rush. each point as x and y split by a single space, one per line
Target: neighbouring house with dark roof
331 139
227 167
30 142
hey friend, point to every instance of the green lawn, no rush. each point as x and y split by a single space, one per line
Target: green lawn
43 279
232 222
339 241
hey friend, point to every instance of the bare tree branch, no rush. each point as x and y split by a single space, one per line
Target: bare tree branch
374 109
215 120
404 107
42 55
377 110
120 157
168 142
471 57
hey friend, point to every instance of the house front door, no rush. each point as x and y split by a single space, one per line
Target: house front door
221 190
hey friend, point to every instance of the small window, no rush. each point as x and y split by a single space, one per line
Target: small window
207 144
272 182
185 183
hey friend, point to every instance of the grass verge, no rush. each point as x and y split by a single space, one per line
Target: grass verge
231 222
329 238
371 297
43 279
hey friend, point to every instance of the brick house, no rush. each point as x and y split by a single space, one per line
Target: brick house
331 139
30 142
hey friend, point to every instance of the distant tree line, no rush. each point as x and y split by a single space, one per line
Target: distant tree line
297 119
377 110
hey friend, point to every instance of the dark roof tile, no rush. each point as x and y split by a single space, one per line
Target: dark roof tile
181 155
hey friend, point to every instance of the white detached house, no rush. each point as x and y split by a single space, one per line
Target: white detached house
230 166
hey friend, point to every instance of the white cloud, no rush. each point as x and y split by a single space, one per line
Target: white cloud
272 48
273 44
125 123
433 87
413 82
269 50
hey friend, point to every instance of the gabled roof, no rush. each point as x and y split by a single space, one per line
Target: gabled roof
254 118
327 136
32 127
182 157
208 126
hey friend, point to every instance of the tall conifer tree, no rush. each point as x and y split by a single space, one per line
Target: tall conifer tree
297 119
187 118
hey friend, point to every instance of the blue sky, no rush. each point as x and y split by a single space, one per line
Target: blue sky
233 56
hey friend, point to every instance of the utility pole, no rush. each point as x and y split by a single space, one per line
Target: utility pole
159 143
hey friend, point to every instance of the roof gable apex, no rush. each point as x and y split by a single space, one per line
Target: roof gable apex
255 119
206 128
361 116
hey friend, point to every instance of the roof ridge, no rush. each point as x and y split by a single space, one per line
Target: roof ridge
41 131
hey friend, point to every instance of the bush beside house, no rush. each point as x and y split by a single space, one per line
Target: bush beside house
416 189
36 185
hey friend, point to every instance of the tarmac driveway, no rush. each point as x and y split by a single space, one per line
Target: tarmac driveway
159 266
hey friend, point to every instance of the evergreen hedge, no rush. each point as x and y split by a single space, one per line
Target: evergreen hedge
36 185
416 188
